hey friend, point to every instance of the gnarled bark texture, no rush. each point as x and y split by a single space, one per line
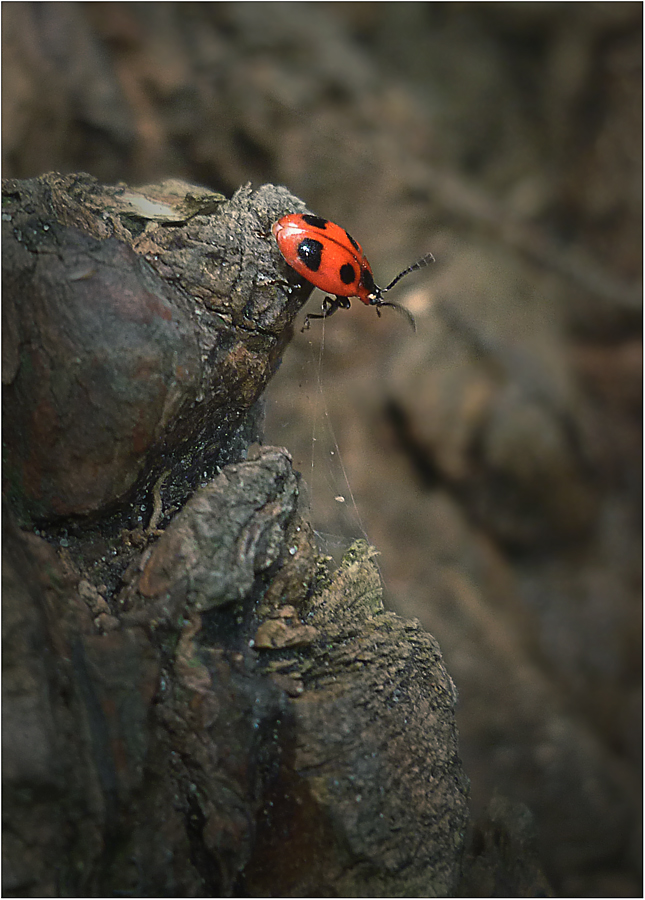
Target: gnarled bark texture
194 703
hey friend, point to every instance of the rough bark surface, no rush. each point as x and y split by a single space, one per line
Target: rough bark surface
141 327
194 704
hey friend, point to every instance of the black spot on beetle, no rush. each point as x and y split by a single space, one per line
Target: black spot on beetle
347 273
367 281
315 221
353 242
310 252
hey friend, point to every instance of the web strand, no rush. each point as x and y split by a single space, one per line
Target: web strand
320 403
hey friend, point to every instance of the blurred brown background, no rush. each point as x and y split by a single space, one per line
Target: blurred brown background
495 456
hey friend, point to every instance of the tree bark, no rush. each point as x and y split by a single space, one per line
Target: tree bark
194 703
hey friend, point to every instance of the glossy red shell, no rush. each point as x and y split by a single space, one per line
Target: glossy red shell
340 266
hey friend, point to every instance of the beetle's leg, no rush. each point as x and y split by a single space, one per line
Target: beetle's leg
329 307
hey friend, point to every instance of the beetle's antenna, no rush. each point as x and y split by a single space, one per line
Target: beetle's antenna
420 264
401 309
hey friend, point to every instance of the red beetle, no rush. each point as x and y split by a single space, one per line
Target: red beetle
330 259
